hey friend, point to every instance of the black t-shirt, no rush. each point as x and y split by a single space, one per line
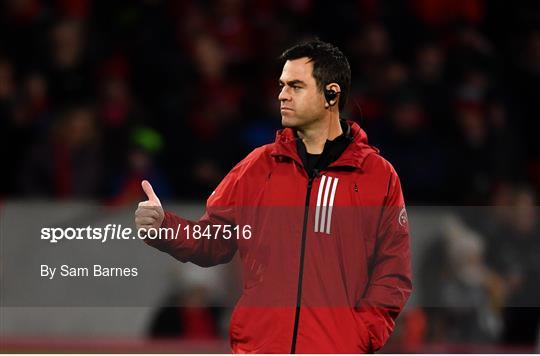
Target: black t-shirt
331 151
311 161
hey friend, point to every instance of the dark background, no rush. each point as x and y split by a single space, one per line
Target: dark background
95 95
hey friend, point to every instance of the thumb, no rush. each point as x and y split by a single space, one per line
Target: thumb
150 192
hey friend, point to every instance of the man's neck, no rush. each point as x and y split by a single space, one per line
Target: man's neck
314 137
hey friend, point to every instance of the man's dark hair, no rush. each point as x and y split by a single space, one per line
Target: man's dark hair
329 65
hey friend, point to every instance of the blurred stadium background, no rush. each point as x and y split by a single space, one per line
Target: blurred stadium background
97 95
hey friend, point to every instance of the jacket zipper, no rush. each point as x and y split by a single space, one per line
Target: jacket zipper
301 268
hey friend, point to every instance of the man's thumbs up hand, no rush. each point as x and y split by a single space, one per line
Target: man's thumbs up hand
153 200
149 213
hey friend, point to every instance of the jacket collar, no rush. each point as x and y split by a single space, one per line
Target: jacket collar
353 156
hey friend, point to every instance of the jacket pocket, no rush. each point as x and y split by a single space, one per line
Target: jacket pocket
234 327
364 339
256 330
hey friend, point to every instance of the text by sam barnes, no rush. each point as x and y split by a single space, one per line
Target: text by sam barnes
66 271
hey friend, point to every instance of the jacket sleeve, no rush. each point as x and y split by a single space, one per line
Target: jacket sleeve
213 247
390 282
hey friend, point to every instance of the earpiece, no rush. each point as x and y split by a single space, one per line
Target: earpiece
330 95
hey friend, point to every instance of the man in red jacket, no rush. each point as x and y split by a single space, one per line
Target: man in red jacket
318 218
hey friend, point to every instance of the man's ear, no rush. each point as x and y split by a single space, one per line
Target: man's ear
331 94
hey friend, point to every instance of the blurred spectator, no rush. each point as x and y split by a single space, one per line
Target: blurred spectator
406 131
461 289
369 52
67 164
483 136
431 81
233 29
139 164
212 121
513 253
71 71
116 102
34 105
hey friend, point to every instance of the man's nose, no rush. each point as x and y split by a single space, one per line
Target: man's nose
283 94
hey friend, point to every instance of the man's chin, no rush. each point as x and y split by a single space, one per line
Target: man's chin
289 122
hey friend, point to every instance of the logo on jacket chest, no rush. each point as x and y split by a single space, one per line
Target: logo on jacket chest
325 203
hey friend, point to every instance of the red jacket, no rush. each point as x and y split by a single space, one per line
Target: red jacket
327 266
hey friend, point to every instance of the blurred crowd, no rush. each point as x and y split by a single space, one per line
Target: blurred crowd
478 275
97 95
